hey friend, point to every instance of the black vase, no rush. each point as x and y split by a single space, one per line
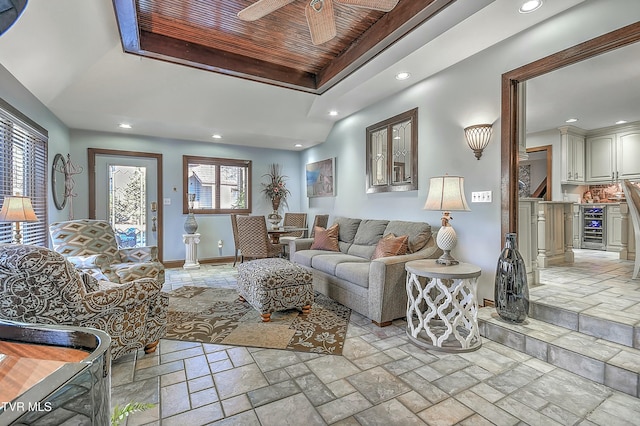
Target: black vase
511 291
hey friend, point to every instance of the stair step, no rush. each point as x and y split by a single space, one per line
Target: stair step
602 322
611 364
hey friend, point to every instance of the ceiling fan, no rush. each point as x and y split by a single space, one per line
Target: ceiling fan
319 13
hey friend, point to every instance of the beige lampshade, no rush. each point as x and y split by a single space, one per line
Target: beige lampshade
17 209
446 193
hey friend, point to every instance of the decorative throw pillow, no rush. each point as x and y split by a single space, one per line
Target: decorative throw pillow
326 239
390 245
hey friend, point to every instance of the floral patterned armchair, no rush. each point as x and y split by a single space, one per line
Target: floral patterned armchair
40 286
91 246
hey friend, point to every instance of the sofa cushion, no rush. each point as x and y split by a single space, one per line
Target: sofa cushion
348 228
370 231
327 263
326 239
367 236
304 257
390 245
354 272
419 233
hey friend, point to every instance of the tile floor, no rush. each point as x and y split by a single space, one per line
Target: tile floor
381 379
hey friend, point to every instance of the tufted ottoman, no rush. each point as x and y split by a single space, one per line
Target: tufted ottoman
275 284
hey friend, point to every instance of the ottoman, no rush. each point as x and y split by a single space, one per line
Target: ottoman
275 284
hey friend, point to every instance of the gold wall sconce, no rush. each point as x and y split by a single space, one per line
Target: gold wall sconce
478 137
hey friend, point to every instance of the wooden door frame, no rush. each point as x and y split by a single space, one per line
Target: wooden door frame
549 150
510 108
93 152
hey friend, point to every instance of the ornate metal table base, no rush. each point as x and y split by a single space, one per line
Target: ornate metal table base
442 308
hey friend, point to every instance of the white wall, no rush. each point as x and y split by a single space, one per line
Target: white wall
14 93
465 94
211 227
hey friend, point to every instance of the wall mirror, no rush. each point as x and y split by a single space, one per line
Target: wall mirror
392 154
58 177
511 117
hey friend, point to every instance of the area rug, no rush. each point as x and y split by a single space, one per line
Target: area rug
215 315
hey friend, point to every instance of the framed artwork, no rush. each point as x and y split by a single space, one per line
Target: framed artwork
320 178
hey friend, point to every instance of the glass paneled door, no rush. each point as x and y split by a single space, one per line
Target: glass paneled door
126 195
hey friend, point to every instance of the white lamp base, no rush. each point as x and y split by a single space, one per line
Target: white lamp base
447 241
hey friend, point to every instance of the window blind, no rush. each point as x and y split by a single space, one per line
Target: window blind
23 171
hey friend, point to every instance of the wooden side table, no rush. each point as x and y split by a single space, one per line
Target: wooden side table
442 306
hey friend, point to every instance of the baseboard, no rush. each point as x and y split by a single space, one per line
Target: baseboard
213 260
488 302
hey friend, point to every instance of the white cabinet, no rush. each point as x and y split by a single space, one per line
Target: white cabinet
613 155
573 156
628 154
601 155
614 227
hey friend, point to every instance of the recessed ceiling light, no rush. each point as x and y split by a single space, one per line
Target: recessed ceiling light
216 136
298 145
124 126
621 121
529 6
402 76
333 113
571 120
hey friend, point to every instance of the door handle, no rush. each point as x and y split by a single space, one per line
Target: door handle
154 228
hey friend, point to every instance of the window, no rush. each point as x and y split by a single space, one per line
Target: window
23 171
216 185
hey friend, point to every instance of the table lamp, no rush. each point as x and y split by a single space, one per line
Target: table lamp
446 193
17 209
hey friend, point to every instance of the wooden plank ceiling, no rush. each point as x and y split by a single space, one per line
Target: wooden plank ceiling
275 49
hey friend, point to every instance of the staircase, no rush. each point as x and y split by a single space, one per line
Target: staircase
600 345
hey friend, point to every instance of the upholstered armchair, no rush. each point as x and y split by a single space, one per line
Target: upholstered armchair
91 246
40 286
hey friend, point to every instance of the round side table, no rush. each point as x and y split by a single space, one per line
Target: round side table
442 306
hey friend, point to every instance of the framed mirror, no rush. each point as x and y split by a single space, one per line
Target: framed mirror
58 177
392 154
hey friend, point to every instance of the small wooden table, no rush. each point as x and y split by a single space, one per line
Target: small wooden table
442 306
275 234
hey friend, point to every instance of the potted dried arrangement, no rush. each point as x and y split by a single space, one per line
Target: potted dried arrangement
275 190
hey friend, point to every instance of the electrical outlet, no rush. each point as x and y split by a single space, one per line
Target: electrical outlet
481 197
166 201
220 244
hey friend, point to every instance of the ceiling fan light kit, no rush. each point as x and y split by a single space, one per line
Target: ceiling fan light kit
319 14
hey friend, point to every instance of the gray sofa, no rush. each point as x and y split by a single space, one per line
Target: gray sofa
373 288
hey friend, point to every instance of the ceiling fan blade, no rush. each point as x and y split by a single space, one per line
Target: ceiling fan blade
261 8
321 20
383 5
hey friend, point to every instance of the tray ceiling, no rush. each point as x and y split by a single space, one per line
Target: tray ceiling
275 49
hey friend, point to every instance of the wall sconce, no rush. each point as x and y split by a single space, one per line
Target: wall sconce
478 137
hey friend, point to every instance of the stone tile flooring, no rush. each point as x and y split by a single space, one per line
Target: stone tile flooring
381 379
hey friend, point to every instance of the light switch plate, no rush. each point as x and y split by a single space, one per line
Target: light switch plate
481 197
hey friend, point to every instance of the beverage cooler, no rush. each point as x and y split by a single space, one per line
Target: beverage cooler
594 234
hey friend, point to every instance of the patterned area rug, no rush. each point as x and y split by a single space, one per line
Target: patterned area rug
215 315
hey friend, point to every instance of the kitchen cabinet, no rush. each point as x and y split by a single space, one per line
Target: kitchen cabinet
601 154
628 154
614 227
613 154
572 143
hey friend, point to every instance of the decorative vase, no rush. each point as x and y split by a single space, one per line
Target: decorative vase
511 288
274 217
191 225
